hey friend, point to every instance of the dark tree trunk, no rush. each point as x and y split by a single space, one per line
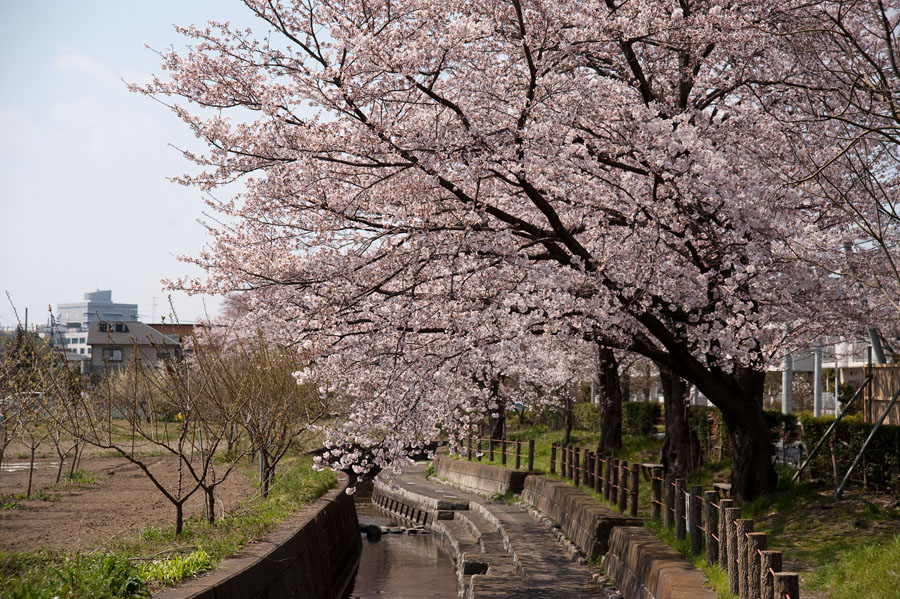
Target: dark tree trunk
30 473
610 402
179 518
210 504
498 420
681 449
752 472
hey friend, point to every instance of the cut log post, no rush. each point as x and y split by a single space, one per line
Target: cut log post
743 528
787 585
552 456
598 474
607 480
711 526
577 470
623 486
655 492
724 504
614 485
694 510
669 494
756 543
633 490
518 454
680 520
531 455
770 563
731 516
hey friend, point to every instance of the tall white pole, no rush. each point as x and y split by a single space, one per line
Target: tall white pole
817 380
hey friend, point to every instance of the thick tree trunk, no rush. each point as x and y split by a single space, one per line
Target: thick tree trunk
752 472
681 449
610 402
498 420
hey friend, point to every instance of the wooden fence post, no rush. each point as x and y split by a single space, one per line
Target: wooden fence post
711 526
562 461
491 449
770 562
724 504
731 516
607 479
478 450
669 494
531 455
623 486
518 454
694 511
576 478
756 543
655 492
552 456
743 528
633 489
680 523
585 471
614 484
503 451
787 585
469 448
598 474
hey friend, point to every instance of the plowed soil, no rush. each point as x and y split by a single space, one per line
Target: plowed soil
83 517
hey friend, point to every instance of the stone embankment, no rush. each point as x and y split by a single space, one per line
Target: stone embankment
538 548
312 555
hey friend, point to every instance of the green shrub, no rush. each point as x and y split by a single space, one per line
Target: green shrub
639 418
586 416
881 463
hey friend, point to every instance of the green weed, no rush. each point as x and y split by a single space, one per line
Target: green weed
868 572
174 569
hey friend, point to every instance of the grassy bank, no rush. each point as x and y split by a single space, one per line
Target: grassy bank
155 557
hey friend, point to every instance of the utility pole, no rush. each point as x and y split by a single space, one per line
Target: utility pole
817 380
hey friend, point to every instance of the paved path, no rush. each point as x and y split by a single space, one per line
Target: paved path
500 551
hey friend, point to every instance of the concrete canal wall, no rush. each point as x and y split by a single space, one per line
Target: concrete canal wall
586 522
645 568
480 477
312 555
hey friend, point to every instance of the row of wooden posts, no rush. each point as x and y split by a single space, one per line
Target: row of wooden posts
505 447
608 477
754 572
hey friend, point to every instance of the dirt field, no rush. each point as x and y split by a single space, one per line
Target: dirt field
87 517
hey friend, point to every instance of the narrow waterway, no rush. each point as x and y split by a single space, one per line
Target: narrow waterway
398 566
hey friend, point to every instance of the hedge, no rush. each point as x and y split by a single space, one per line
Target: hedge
586 416
639 418
881 463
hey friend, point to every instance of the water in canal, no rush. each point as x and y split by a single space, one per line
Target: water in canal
399 566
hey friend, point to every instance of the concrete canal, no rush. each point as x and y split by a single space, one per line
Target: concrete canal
400 566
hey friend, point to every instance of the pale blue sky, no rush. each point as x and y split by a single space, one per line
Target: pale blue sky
84 199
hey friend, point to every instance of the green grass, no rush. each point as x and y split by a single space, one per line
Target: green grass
156 557
867 572
50 575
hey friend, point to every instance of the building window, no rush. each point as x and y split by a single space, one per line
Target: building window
112 355
82 350
102 327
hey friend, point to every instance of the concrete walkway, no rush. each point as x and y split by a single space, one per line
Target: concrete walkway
500 551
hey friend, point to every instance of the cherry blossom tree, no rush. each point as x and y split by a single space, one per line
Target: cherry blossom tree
435 196
847 94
